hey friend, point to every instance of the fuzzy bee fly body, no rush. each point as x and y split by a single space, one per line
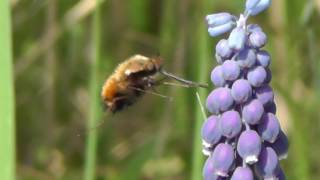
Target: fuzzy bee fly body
131 79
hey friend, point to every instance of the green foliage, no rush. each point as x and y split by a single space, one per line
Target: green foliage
7 102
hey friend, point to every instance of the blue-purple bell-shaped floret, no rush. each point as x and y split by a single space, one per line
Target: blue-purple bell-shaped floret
218 30
257 39
269 127
241 91
242 173
217 77
268 164
263 58
252 112
223 50
257 76
237 38
253 27
230 124
223 159
208 171
219 100
270 108
230 70
265 94
269 76
281 146
253 7
251 3
246 58
249 146
219 19
280 174
210 131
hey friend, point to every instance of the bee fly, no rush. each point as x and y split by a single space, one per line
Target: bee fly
133 78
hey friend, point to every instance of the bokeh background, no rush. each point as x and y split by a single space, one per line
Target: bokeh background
64 49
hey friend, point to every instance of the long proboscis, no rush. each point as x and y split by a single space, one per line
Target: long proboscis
184 81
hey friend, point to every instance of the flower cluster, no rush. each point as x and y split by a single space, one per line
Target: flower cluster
242 138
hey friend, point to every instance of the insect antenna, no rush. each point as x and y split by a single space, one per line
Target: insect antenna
186 82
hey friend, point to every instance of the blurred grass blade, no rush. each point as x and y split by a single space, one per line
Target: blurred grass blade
7 124
95 110
202 55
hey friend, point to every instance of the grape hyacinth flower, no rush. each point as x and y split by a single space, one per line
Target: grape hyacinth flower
242 138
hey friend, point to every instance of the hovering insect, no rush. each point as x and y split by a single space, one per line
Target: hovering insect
133 78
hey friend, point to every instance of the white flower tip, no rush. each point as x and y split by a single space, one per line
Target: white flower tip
251 159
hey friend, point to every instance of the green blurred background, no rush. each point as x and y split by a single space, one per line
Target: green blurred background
64 49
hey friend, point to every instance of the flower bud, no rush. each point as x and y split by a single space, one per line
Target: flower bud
269 128
246 58
265 94
249 146
263 58
257 39
230 70
270 108
253 27
255 8
241 91
251 3
217 77
237 38
219 100
252 112
257 76
223 158
219 19
208 170
281 146
242 173
223 50
221 29
210 131
230 124
268 163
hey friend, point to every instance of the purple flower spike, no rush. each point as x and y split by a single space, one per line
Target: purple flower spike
242 173
219 19
230 70
210 131
230 124
218 30
265 94
281 146
246 58
268 164
223 50
263 58
219 100
223 159
208 170
257 39
241 91
257 76
269 128
249 146
237 38
217 77
252 112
